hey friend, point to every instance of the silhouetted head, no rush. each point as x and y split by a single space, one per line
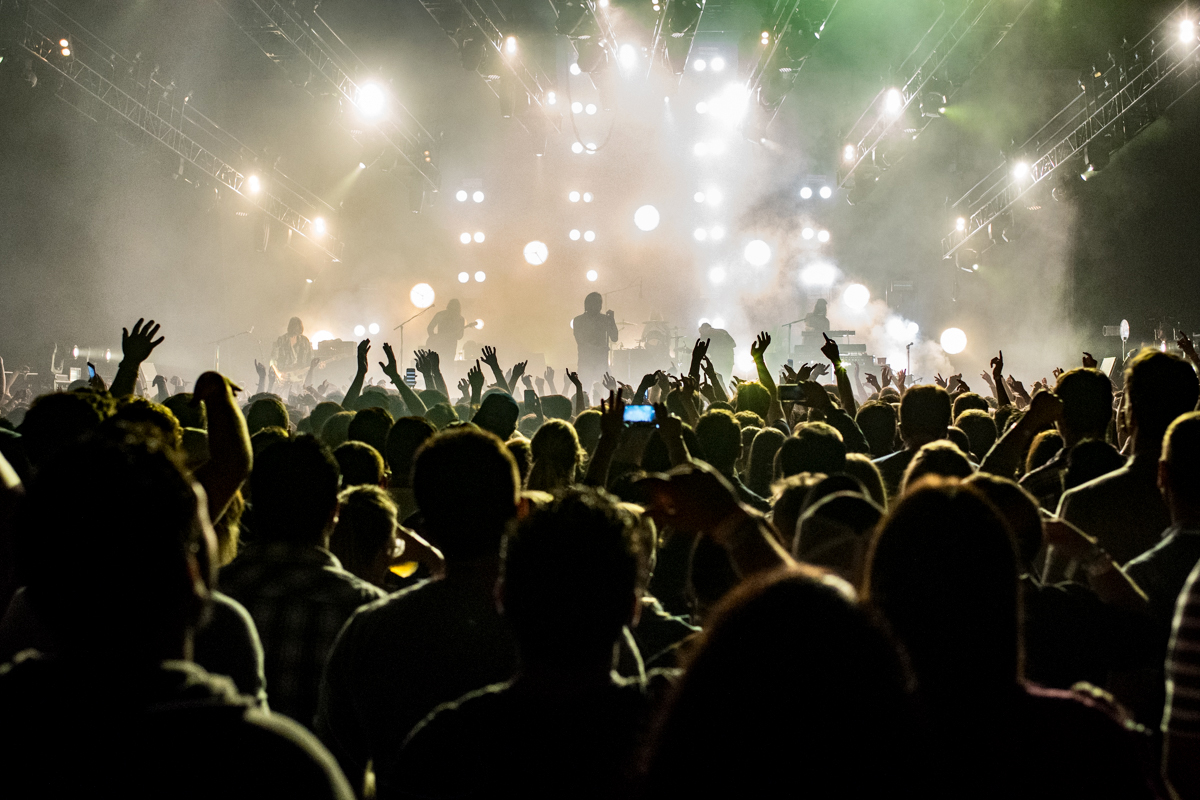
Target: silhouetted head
320 415
454 307
294 486
371 425
878 423
336 429
924 414
593 303
762 460
721 438
941 458
498 414
364 538
140 410
967 401
1087 404
980 430
56 421
266 412
835 531
705 330
587 426
360 464
1090 459
860 466
821 307
1045 446
790 495
1179 468
295 327
557 456
816 447
753 396
405 438
1159 387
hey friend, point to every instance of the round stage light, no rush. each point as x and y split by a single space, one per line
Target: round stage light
75 351
577 107
588 197
699 65
960 224
573 197
320 336
700 234
1187 31
319 226
461 195
757 252
716 233
856 296
893 102
360 331
576 147
479 324
477 197
574 234
698 197
362 165
702 107
805 193
422 295
849 153
591 148
646 218
510 45
480 276
592 275
535 253
718 322
373 328
896 329
574 69
703 321
1020 170
716 276
464 277
913 328
717 64
826 193
954 341
715 196
551 98
590 108
589 236
108 353
479 237
370 99
627 55
822 236
818 274
253 185
808 233
465 238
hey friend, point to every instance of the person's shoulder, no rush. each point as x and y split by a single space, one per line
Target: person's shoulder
365 590
226 610
405 602
450 720
297 756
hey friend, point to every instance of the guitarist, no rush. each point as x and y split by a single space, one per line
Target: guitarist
292 352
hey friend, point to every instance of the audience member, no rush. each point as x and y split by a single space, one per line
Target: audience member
924 418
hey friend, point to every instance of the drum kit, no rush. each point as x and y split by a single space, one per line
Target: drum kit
653 351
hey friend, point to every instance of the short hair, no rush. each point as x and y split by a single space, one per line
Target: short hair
1045 446
720 437
1181 449
266 412
294 486
968 401
748 419
753 396
498 414
790 495
371 425
189 414
321 414
1090 459
877 420
1018 508
336 429
1160 387
403 440
465 484
959 437
570 575
924 412
816 447
587 425
360 464
834 532
979 428
141 410
1087 401
55 421
941 458
366 525
557 406
263 439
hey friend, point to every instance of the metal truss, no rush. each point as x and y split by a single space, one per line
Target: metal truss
285 36
925 64
784 27
1151 76
183 131
660 42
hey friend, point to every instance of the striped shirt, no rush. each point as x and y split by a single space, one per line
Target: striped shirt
1181 714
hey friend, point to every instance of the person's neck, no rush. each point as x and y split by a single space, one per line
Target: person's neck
555 678
915 443
1185 510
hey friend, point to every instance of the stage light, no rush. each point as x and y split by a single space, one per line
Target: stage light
360 331
819 274
627 55
856 296
573 197
479 324
574 234
308 280
700 234
717 64
716 276
465 238
717 233
808 233
702 107
698 197
535 253
960 224
577 107
574 69
718 322
75 351
373 328
700 149
913 328
893 102
510 45
592 275
461 195
590 147
63 43
896 329
590 108
66 51
766 37
714 196
954 341
1020 170
703 321
805 193
320 336
463 277
699 64
1187 31
849 153
757 252
253 185
319 226
576 147
826 193
362 165
477 197
822 236
646 218
370 99
551 98
479 237
108 351
588 197
421 295
480 276
589 236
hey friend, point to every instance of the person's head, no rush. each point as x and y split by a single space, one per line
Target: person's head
266 437
1090 459
721 438
571 579
587 427
821 306
705 330
924 415
528 425
55 421
140 410
1018 508
753 396
748 419
454 307
835 531
557 406
979 428
465 483
295 327
189 414
320 415
336 429
498 414
364 539
371 425
959 438
294 486
762 460
941 458
360 465
1087 404
403 440
968 401
1179 468
593 303
860 467
943 570
266 412
743 462
557 456
878 423
1044 447
522 453
790 495
816 447
1158 388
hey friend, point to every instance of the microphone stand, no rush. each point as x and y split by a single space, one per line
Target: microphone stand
789 325
217 342
400 328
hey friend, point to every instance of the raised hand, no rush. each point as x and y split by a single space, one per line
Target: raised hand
900 377
830 350
549 375
573 377
518 370
997 364
138 345
1057 371
609 382
805 372
364 347
541 385
475 378
939 380
528 381
261 369
873 382
760 345
818 370
815 396
434 360
1089 361
788 375
700 351
885 375
1017 387
988 379
612 415
489 357
688 385
952 385
1185 344
389 368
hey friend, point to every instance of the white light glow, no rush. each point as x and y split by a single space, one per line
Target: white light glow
588 197
535 253
373 328
1187 31
589 236
819 274
893 102
718 322
702 107
320 336
253 185
551 98
590 108
577 107
479 237
421 295
464 277
716 276
1020 170
370 99
808 233
477 197
757 252
698 197
703 321
826 193
715 196
646 218
896 329
856 296
592 275
576 147
716 233
699 65
575 70
461 195
574 234
717 64
960 224
479 324
591 148
465 238
510 45
573 197
954 341
805 193
627 54
822 236
480 276
360 331
849 152
700 234
319 226
700 149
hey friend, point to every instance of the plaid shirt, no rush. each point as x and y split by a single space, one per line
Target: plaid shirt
299 597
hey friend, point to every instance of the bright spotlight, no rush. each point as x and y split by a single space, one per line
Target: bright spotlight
700 149
826 193
510 45
716 276
896 329
465 238
818 274
461 195
698 197
700 234
421 295
359 330
591 148
592 275
479 324
574 234
1187 31
319 226
574 69
576 147
757 252
463 277
856 296
551 98
63 43
590 108
479 237
703 321
1020 170
253 185
320 336
108 354
954 341
714 196
699 65
75 351
480 276
66 51
717 233
960 224
822 236
808 233
702 107
477 197
913 328
646 218
370 99
893 102
373 328
805 193
718 322
588 197
849 153
573 197
627 55
716 147
717 64
362 165
577 107
589 236
535 253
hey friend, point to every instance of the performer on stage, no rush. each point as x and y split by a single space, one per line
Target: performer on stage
593 332
816 324
720 349
445 329
292 352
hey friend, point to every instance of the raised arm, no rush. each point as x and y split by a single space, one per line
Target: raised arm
416 406
356 385
489 358
612 425
229 454
757 351
581 401
1005 456
716 379
699 352
549 375
845 392
136 347
997 381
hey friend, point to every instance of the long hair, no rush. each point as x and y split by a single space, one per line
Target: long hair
557 456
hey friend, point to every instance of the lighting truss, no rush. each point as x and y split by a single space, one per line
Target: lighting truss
284 36
926 62
784 22
124 102
1155 73
659 42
